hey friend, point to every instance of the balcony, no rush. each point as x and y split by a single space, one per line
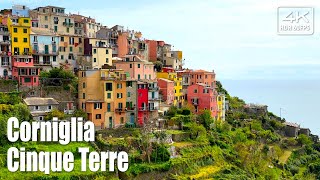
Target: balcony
5 64
153 88
108 78
46 63
154 99
143 108
119 110
131 109
153 109
68 24
44 52
6 42
195 101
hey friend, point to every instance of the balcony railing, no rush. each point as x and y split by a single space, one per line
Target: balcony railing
108 78
47 63
131 109
154 99
154 88
143 108
153 109
120 110
4 64
5 42
67 24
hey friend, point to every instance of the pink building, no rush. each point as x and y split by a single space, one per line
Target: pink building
202 98
136 68
24 71
166 90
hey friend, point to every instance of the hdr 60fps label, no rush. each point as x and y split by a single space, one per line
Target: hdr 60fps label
295 21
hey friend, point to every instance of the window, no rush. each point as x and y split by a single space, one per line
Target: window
83 106
119 86
139 76
49 107
94 51
67 30
83 95
121 120
40 118
108 107
138 65
84 85
80 49
54 58
34 80
61 57
149 76
98 116
27 80
70 49
80 40
36 107
25 31
107 60
46 18
94 59
119 95
15 39
206 76
26 21
61 39
108 86
129 83
130 65
129 94
97 105
195 91
120 105
25 40
46 26
107 51
15 30
109 95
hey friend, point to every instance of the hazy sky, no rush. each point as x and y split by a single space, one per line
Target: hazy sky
236 38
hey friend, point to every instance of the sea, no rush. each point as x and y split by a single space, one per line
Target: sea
297 101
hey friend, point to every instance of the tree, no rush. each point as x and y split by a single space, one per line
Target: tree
206 119
80 113
197 131
304 140
54 113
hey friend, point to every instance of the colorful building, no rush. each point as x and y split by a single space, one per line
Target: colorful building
132 101
5 52
166 90
152 48
97 52
53 18
70 48
44 48
143 100
170 74
202 98
221 107
136 68
19 28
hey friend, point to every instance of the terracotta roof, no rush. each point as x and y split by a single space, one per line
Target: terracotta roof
32 101
163 79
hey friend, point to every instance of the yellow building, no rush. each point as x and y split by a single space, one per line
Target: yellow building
101 93
101 53
178 94
221 107
19 28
